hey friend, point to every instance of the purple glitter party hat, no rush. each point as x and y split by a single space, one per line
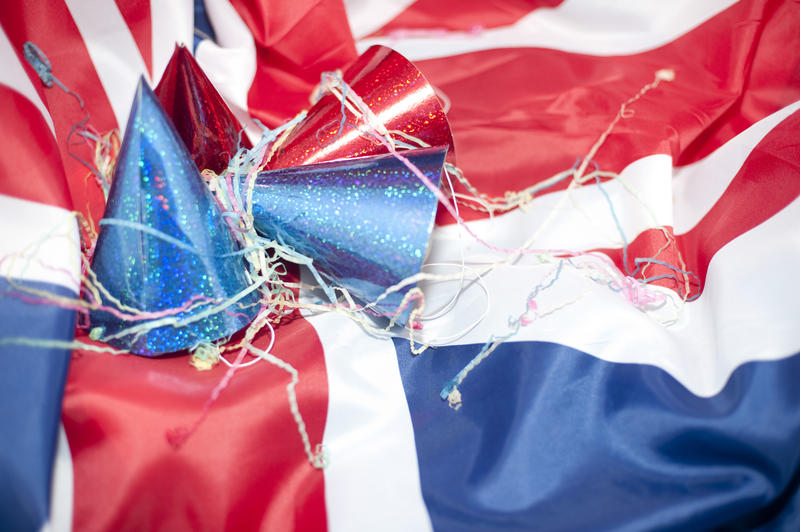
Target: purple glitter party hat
164 251
365 222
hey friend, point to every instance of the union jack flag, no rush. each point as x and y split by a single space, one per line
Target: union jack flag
591 415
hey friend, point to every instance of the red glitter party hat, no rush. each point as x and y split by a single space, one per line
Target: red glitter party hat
394 90
203 121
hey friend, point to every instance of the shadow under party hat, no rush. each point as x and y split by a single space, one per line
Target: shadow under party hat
205 124
366 222
164 244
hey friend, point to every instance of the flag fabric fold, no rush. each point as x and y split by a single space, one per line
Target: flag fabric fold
560 395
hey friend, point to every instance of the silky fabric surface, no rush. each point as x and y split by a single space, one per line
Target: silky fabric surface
767 168
720 88
157 186
41 157
59 38
32 378
290 55
717 92
471 16
243 469
202 119
626 443
31 384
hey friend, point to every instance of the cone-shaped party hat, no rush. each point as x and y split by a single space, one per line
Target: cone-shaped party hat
396 92
163 244
203 121
365 222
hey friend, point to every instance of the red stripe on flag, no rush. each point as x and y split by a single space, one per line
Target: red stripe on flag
466 15
521 115
137 16
773 81
30 166
295 43
767 182
243 469
49 26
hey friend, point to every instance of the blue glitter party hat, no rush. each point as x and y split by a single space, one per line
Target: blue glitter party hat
164 245
365 222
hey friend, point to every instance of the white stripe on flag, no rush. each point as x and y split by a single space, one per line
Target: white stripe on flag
692 189
39 243
230 63
62 487
372 482
743 315
593 28
578 220
114 52
170 22
13 75
677 197
366 16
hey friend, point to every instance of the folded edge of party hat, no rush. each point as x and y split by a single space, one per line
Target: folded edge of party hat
365 222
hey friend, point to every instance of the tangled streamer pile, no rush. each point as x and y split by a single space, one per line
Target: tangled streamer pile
265 259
